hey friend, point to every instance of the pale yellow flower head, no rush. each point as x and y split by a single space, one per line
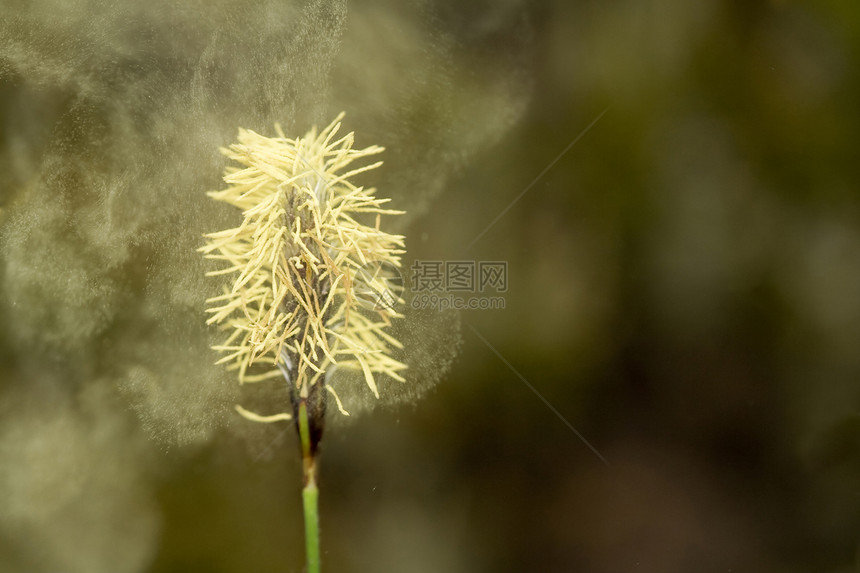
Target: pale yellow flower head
297 262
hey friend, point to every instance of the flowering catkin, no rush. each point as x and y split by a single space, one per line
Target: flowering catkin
296 262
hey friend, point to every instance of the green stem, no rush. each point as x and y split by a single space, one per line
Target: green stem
310 493
312 527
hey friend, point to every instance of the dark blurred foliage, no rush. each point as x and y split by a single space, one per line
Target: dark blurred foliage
684 289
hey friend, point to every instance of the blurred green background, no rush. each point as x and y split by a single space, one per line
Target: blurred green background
684 289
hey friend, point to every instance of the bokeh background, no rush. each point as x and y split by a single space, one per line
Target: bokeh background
684 286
